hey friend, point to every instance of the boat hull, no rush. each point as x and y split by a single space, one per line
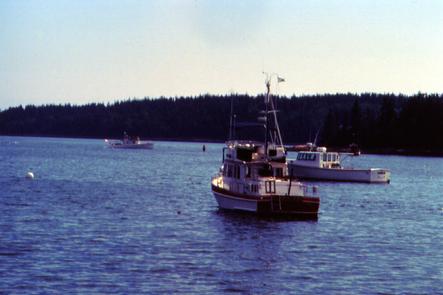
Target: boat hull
270 205
135 146
373 175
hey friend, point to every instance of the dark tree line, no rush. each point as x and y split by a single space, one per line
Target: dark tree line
394 123
373 121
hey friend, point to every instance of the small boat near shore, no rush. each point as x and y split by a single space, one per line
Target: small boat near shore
323 165
128 143
254 176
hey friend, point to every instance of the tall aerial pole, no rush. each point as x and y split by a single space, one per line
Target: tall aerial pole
230 119
268 87
274 111
270 108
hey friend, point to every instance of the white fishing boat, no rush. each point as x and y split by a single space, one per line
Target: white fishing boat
128 143
322 165
254 176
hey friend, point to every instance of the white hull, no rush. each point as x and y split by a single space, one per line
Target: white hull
233 203
372 175
275 204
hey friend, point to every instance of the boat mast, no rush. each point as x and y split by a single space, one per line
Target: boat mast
268 91
231 131
270 108
274 111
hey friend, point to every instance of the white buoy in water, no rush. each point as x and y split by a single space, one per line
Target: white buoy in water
30 175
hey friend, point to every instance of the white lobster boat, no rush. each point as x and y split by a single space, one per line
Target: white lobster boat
128 143
323 165
254 176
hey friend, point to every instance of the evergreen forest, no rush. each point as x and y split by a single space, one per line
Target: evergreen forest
376 122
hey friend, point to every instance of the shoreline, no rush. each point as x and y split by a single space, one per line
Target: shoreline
201 140
364 151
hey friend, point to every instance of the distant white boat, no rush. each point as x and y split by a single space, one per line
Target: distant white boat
128 143
323 165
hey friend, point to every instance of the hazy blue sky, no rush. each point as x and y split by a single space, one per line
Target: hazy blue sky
98 51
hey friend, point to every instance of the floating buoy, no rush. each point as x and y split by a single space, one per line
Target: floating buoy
204 148
30 175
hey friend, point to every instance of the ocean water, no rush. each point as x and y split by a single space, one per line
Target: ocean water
101 221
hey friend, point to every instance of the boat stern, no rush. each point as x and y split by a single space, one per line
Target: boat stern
379 175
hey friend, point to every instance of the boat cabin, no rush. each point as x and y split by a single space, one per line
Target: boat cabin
247 160
249 151
320 159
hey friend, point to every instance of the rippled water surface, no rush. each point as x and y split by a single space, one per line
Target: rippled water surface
102 221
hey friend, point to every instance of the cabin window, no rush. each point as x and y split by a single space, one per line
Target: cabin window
230 170
270 186
278 172
265 170
324 158
237 171
329 157
248 171
306 156
244 154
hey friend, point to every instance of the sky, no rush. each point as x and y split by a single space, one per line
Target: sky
84 51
